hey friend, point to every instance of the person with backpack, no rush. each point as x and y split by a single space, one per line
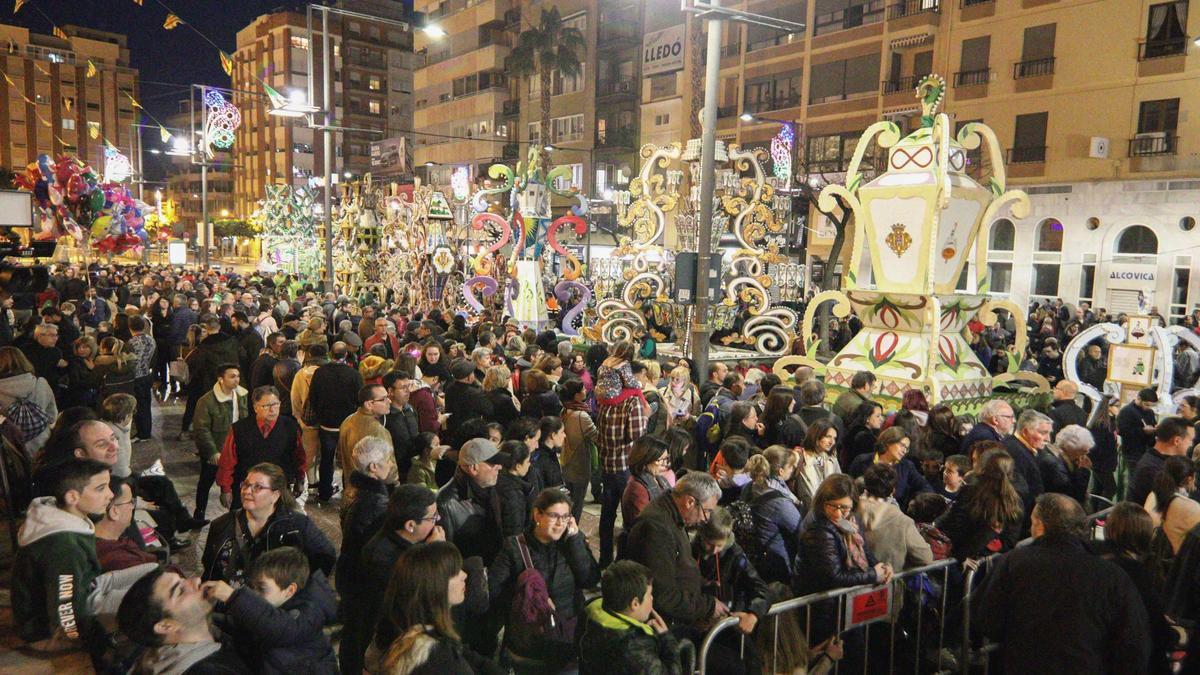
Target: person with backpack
540 575
729 574
27 401
766 520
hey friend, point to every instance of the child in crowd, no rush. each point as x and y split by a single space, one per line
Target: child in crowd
117 411
429 450
728 574
278 618
924 509
623 633
729 467
953 472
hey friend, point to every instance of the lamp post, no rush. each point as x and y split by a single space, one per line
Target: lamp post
712 12
294 107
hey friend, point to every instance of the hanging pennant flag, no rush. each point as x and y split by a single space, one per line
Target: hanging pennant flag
93 130
227 64
17 6
132 99
137 2
9 80
171 22
58 33
91 69
44 121
164 134
41 70
277 99
12 46
68 103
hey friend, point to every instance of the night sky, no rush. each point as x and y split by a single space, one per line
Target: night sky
179 57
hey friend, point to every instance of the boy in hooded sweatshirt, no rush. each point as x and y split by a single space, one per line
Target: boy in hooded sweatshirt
623 633
277 618
56 560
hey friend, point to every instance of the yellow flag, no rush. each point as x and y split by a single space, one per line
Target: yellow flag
137 2
172 21
41 69
227 64
58 33
164 134
44 121
91 69
9 80
17 6
12 46
132 100
68 103
93 130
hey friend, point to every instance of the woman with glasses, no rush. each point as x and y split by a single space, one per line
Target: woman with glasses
648 464
267 519
543 641
833 554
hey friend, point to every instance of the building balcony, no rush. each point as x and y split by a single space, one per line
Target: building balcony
1153 144
512 107
616 89
780 102
618 32
905 8
974 3
511 151
620 137
971 78
900 84
726 111
851 17
731 51
1157 49
1033 68
1027 155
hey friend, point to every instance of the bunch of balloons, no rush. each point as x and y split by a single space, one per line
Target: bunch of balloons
71 201
66 195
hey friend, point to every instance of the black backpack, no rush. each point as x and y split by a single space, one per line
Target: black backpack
744 512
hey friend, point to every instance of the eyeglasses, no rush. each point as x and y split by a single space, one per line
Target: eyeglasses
380 400
267 406
121 503
558 517
435 518
255 488
842 508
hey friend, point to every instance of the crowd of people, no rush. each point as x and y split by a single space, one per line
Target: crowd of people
459 456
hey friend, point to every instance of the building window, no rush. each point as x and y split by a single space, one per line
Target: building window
68 123
374 107
566 129
774 92
1166 30
534 132
1049 235
1029 139
575 181
1003 236
299 42
832 154
374 83
662 120
973 62
842 79
1037 52
1001 277
1045 280
1179 292
1137 240
1087 282
1157 122
835 15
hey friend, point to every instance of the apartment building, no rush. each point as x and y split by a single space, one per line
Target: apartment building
48 104
372 92
1090 100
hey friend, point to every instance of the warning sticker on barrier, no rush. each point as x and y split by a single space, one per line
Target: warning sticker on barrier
872 604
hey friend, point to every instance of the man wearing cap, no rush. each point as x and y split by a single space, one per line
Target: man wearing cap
1135 425
464 397
1172 438
469 505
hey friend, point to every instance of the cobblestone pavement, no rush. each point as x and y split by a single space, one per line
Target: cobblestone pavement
179 460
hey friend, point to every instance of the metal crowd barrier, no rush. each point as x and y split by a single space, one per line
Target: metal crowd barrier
806 603
982 565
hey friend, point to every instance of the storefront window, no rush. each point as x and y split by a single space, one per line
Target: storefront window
1045 280
1137 240
1050 236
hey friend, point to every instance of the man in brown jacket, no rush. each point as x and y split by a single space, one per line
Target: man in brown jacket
373 404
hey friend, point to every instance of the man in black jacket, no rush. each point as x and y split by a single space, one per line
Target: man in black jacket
464 397
1095 623
1033 431
411 519
1136 425
995 423
401 419
250 343
1064 410
214 351
332 396
262 371
469 503
169 615
1173 437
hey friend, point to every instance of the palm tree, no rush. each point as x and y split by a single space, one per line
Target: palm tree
541 50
